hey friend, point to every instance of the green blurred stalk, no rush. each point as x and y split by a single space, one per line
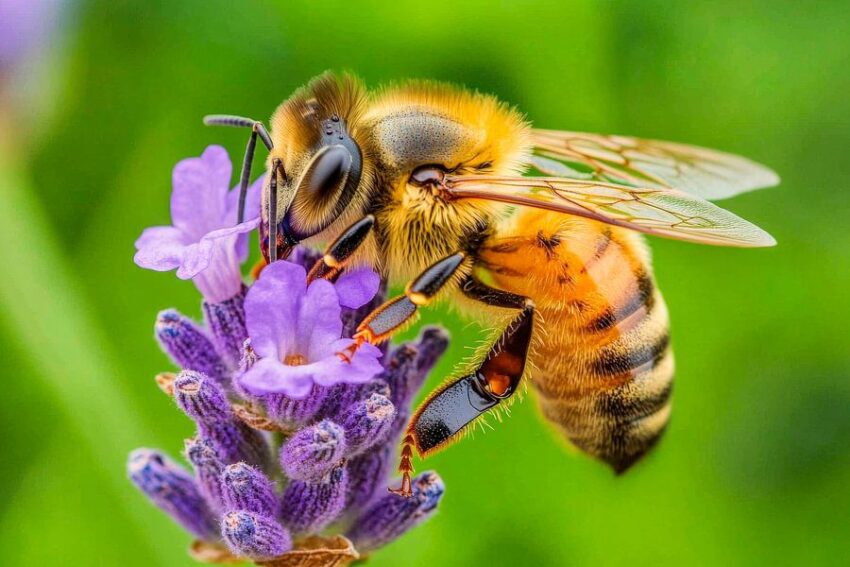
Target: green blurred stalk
41 304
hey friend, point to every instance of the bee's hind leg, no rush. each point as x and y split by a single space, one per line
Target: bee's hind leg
453 406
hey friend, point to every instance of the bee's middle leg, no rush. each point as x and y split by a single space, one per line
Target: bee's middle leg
453 406
394 314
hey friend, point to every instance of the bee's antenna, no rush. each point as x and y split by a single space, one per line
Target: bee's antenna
257 128
273 210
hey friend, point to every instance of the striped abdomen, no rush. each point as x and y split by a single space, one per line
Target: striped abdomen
603 367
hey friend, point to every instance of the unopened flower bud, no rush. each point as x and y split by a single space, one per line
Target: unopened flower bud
312 452
201 398
205 402
391 515
400 368
310 506
246 488
173 490
208 468
226 320
255 536
367 423
188 346
367 476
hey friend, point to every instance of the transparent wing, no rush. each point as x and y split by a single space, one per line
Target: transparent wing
708 174
663 212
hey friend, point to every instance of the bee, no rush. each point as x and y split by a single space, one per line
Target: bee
537 233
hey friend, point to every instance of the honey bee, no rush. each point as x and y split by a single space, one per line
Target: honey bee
535 232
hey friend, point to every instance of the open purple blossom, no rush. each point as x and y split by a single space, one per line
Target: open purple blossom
204 243
296 331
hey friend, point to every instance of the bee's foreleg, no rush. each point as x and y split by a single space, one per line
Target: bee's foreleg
453 406
257 129
394 314
337 255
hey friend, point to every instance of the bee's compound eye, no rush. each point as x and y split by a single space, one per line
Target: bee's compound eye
328 172
427 175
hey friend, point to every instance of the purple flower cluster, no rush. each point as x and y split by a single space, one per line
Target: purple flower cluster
291 441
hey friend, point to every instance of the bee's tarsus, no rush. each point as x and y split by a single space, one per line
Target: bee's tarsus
337 255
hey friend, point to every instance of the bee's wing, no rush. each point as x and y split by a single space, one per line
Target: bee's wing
705 173
659 211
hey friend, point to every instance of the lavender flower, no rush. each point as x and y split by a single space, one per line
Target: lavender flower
246 488
204 243
265 360
208 468
314 451
188 345
254 535
172 489
309 507
296 331
391 516
367 423
206 403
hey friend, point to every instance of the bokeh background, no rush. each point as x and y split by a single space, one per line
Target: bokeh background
101 99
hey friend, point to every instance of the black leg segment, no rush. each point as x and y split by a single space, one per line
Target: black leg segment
338 254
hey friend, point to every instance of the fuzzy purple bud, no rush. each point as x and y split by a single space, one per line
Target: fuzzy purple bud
202 399
392 515
295 412
208 468
173 490
341 396
205 402
312 452
309 507
246 488
367 423
254 535
367 477
188 346
226 320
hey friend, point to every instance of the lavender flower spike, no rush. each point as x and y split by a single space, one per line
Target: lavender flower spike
205 402
246 488
314 451
391 516
208 468
173 490
188 346
296 331
367 423
254 535
204 242
309 507
367 476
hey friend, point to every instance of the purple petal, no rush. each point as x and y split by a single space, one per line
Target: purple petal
363 366
357 287
199 192
252 210
271 307
268 376
160 248
318 320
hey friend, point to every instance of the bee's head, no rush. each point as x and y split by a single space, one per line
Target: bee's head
315 136
425 130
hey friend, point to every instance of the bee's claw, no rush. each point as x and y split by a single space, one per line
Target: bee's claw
347 354
404 490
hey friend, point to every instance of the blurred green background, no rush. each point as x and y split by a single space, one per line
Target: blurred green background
755 467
